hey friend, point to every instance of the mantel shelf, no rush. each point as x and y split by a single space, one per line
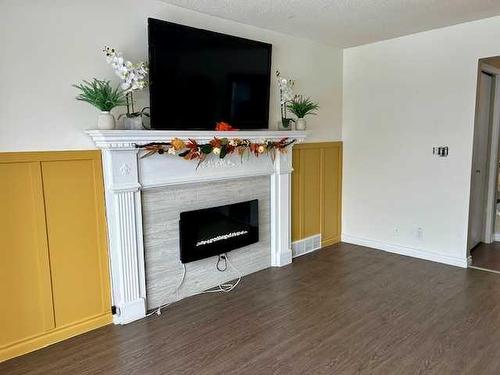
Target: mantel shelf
127 138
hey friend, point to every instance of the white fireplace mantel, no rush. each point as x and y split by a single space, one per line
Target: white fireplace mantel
126 173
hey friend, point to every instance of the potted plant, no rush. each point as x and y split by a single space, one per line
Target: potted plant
101 95
302 107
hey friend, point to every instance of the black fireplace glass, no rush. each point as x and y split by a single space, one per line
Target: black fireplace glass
216 230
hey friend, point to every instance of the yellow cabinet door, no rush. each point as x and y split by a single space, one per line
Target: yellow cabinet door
74 201
54 278
317 191
331 194
26 310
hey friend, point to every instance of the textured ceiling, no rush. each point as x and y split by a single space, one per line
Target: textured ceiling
346 23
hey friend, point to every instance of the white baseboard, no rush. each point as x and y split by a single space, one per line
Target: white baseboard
407 251
306 245
496 237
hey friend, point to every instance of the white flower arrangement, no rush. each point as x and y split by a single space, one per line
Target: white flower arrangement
286 96
286 88
132 75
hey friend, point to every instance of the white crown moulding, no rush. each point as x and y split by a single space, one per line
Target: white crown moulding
127 173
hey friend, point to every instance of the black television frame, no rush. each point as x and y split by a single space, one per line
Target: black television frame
152 21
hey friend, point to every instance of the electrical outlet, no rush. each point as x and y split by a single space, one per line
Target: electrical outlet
440 151
420 234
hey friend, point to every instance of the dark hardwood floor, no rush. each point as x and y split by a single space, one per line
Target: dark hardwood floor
342 310
487 256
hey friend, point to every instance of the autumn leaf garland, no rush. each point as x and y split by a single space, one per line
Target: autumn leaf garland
221 147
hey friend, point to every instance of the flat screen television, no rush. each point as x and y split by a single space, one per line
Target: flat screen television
200 77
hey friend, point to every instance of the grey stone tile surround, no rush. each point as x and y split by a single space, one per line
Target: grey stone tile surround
161 209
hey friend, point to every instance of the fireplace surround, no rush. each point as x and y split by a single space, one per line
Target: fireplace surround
161 210
127 174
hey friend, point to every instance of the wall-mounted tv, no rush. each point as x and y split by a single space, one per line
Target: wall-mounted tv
200 77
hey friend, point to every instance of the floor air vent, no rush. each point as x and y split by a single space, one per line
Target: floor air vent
306 245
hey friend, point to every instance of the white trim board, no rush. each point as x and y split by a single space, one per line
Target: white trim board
407 251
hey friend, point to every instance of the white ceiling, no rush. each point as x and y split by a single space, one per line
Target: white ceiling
346 23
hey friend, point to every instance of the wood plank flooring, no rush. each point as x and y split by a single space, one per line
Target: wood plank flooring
342 310
487 256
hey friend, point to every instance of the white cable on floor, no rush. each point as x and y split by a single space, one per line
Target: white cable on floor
226 287
158 310
221 288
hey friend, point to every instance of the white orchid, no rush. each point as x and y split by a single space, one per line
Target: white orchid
286 88
286 95
132 75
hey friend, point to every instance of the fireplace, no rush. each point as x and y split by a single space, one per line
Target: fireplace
216 230
128 176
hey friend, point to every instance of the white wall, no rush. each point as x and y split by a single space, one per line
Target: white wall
401 98
46 45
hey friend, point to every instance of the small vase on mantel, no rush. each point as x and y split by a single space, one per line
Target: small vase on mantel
285 124
300 124
133 122
105 121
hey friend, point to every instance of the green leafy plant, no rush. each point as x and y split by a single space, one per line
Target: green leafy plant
302 107
101 95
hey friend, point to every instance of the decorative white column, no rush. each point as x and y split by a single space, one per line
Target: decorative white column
126 174
281 252
123 206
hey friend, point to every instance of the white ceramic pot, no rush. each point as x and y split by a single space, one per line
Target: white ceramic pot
300 124
132 123
105 121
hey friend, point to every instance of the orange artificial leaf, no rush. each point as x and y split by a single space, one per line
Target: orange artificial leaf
178 144
224 126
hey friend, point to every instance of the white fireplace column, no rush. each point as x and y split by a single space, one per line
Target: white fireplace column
281 242
126 174
123 207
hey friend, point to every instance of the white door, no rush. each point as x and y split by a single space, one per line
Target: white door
480 161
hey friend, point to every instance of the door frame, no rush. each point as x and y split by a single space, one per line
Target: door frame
492 166
489 203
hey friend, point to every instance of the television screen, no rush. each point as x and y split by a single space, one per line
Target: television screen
199 77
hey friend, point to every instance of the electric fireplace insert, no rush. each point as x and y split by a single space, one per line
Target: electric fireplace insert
216 230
